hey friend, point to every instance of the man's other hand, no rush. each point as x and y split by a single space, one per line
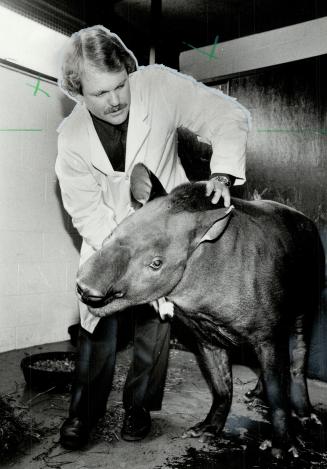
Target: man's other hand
218 189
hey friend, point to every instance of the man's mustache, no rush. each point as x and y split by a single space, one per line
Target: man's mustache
115 109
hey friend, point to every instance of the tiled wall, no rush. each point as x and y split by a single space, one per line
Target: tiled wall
38 246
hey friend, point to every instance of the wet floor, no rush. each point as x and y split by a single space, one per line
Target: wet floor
186 401
243 452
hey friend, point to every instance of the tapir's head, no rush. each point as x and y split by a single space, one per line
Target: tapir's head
145 256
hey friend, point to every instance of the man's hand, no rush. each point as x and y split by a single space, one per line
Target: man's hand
219 189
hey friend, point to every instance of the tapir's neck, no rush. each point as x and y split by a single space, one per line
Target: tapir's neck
207 271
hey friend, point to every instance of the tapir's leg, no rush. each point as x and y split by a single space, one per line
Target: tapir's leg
275 374
216 367
298 387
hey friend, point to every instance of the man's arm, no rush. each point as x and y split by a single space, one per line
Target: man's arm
82 197
208 113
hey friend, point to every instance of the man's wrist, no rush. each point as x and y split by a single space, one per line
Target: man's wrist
224 178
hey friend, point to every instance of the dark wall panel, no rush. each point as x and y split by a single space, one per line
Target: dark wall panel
287 154
288 143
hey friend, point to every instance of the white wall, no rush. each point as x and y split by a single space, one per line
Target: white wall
296 42
38 258
29 44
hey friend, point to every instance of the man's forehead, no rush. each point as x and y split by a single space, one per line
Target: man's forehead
93 78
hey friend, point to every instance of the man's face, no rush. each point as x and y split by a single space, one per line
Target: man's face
106 94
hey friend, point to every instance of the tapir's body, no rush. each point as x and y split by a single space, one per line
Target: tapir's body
254 280
248 276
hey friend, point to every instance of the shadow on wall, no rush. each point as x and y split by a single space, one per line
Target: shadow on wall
194 155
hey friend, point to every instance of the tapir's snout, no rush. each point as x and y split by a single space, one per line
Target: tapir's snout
95 298
88 294
96 282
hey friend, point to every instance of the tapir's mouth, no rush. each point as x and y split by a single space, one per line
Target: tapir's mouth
96 299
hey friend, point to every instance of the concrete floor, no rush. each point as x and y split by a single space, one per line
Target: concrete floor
187 400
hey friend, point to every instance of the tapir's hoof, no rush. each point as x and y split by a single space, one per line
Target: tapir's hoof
293 452
278 453
314 418
309 422
265 445
206 437
255 393
201 431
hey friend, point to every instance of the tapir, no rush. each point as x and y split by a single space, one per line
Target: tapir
251 275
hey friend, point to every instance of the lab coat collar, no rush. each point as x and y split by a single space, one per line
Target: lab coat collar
138 128
99 158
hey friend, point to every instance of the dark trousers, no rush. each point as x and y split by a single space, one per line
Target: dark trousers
95 366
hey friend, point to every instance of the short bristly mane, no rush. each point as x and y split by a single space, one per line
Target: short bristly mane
191 197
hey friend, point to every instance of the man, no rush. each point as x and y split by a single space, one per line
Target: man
125 115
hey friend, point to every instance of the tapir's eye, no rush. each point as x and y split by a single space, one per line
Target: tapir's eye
156 264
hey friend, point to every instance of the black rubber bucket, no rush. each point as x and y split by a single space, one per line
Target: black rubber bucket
57 370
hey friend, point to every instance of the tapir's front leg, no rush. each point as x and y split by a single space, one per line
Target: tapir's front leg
216 367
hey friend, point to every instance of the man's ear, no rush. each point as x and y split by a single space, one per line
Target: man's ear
211 225
145 186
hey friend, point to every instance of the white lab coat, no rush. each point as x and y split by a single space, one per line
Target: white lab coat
97 197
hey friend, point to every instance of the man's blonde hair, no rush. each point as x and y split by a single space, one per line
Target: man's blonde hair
100 49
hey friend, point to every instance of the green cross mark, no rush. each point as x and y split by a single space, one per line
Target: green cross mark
37 88
210 54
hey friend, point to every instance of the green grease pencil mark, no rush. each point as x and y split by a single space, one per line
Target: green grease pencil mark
210 54
21 130
37 88
317 131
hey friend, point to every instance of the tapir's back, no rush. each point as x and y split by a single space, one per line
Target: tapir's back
275 224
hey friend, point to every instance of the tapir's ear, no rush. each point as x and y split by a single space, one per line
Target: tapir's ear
212 224
145 186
